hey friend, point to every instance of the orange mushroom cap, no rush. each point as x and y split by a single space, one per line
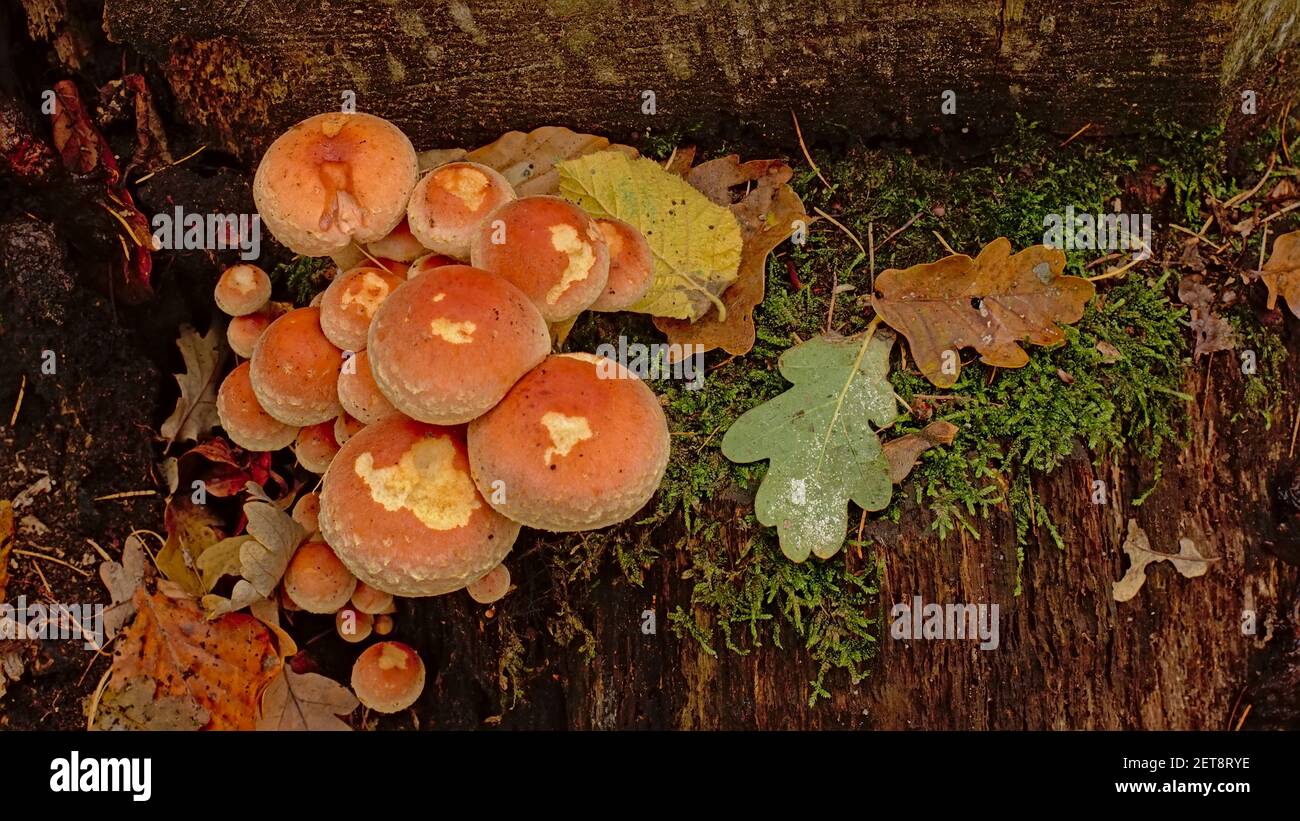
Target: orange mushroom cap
295 369
388 677
492 587
631 266
316 580
400 245
358 393
242 289
246 423
350 303
451 202
315 447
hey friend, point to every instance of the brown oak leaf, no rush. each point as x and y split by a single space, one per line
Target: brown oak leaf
306 701
902 453
989 303
528 160
1282 272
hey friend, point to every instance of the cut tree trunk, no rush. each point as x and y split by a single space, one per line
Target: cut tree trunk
459 74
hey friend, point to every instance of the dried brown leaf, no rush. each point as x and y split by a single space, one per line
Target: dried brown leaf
902 453
1187 561
196 411
989 303
122 580
1281 274
307 701
528 160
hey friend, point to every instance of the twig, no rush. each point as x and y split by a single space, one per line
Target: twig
101 551
1294 430
371 257
22 390
193 153
799 133
1073 136
1263 243
126 494
846 231
1242 720
1241 197
1100 260
1279 213
1201 236
44 581
871 254
902 228
48 558
943 242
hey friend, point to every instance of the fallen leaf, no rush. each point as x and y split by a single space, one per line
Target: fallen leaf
6 542
220 560
267 611
122 580
528 161
244 595
1109 353
696 244
307 701
224 470
133 706
213 670
822 451
196 411
768 215
264 557
1188 561
1213 333
902 453
191 529
1282 272
988 303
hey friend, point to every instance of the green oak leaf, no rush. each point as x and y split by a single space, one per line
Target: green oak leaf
821 450
696 243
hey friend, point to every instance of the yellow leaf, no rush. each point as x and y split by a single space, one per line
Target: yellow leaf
696 244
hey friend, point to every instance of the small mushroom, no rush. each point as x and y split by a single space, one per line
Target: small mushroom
315 446
579 443
246 423
449 343
316 580
401 511
400 245
243 289
492 587
345 427
451 203
352 625
305 511
631 266
358 393
243 331
335 179
427 263
369 600
388 677
550 250
295 370
350 303
383 624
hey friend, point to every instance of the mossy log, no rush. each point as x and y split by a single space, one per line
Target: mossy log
461 73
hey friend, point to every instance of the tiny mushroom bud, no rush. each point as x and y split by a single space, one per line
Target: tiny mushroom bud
358 393
295 370
305 511
242 416
316 446
550 250
352 625
369 600
578 444
383 624
244 331
631 266
427 263
492 587
243 289
400 245
451 203
449 343
401 511
350 302
388 677
345 427
334 179
316 580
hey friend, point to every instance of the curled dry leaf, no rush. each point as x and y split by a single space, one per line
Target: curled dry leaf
696 244
1281 274
902 453
209 670
122 580
820 443
989 303
195 414
191 530
768 214
1188 561
264 557
1213 333
307 701
528 161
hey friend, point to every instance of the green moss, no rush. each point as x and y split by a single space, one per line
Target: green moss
1261 357
301 279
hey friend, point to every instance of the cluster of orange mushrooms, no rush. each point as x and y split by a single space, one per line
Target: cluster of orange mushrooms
421 382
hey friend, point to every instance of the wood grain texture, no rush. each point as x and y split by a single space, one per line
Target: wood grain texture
458 73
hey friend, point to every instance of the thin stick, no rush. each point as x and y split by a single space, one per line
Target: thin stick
1263 243
1277 214
44 581
1075 135
101 551
126 494
799 133
22 390
94 699
1242 720
1294 430
178 162
1234 201
944 243
48 558
871 254
371 257
902 228
846 231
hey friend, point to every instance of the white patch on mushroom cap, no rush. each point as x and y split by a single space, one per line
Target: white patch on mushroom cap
243 279
457 333
438 297
565 433
424 481
367 290
581 256
393 658
469 185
